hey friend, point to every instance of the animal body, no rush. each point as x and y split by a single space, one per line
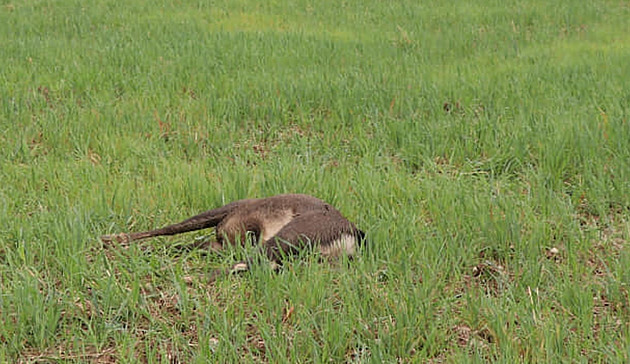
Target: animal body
282 225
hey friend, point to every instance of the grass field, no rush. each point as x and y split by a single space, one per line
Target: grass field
484 146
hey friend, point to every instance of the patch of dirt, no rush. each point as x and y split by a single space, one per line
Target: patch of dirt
358 354
491 276
90 355
612 237
605 316
465 336
256 343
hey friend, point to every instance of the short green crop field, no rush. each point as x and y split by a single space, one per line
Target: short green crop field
484 146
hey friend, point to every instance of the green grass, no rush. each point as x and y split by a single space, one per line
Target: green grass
469 139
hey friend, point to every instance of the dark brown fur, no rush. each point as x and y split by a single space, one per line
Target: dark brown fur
283 224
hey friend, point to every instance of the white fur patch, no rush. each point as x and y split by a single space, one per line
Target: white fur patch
346 244
239 267
242 267
273 225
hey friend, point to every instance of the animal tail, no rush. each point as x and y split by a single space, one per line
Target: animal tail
204 220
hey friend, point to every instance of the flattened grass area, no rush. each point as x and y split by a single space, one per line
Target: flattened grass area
484 146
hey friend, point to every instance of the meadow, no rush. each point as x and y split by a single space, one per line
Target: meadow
484 146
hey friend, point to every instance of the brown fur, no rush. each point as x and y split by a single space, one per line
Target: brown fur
283 224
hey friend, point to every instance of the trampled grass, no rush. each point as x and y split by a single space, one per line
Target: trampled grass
484 146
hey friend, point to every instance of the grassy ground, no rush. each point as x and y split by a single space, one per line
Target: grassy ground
484 146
